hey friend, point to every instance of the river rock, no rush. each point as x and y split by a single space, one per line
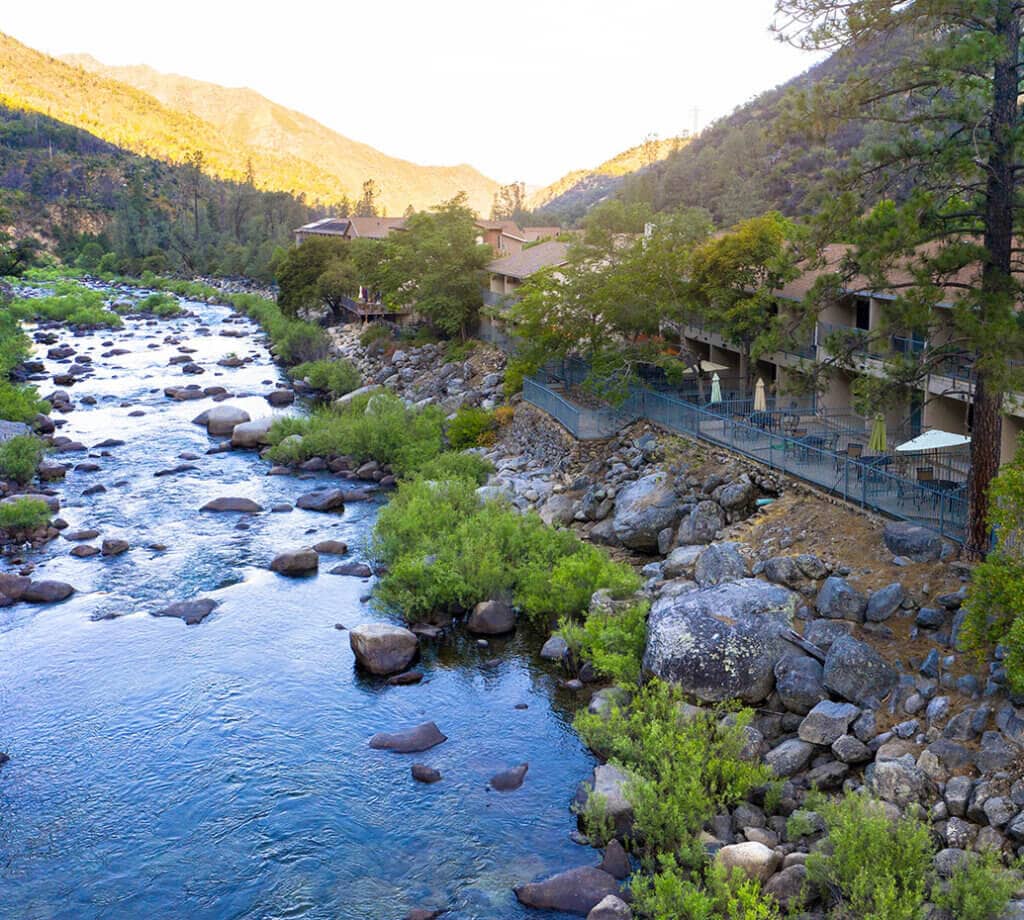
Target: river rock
232 503
700 527
14 586
608 782
84 551
192 612
577 891
296 563
754 859
719 563
722 642
858 673
424 774
353 570
252 434
411 741
47 592
491 618
509 780
322 500
917 543
222 420
555 649
280 397
114 547
331 547
643 509
611 907
615 861
383 649
839 600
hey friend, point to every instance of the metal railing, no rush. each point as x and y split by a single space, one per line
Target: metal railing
940 505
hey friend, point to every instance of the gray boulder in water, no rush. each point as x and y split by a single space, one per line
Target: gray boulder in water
383 649
722 642
577 891
411 741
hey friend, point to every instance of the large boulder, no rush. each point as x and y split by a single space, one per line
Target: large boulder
839 600
856 672
322 500
643 509
611 907
47 592
491 618
383 649
296 563
192 612
723 642
918 543
252 434
798 680
719 563
700 527
222 420
577 891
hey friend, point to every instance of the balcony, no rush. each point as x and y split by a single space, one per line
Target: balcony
367 309
861 342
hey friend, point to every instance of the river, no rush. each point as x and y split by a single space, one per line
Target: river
160 770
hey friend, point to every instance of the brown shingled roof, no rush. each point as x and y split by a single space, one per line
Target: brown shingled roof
375 228
529 261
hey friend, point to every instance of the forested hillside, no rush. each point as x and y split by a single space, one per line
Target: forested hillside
84 197
231 134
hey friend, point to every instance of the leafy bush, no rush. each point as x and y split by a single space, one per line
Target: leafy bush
14 344
24 514
877 869
444 549
459 351
19 458
503 415
376 426
995 598
686 766
514 374
71 303
674 893
20 403
453 465
373 334
295 341
336 376
471 428
159 304
567 587
980 888
612 641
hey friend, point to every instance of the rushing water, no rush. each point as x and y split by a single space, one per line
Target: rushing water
222 770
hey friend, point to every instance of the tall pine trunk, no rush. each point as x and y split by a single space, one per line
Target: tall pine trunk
997 281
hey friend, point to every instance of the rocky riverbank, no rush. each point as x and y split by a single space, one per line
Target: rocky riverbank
841 630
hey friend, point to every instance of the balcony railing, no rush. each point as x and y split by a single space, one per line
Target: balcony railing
861 341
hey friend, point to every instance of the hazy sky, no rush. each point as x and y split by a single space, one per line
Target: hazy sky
522 89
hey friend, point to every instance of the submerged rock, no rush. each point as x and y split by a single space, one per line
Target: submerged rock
322 500
232 503
577 891
296 563
411 741
192 612
509 780
424 774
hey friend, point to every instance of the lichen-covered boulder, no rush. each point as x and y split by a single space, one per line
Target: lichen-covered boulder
719 563
918 543
722 642
700 527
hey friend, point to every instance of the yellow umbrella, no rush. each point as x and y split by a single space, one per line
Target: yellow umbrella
760 403
877 443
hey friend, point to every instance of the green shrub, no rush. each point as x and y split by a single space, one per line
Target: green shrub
980 888
24 514
376 426
674 892
459 351
159 304
612 641
454 465
14 344
471 428
877 869
336 376
19 458
514 374
301 342
373 334
598 825
445 549
71 303
20 403
685 767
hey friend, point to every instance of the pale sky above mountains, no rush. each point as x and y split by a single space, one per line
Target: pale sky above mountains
525 90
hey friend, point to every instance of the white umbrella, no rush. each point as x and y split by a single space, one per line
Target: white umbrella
933 440
760 403
716 388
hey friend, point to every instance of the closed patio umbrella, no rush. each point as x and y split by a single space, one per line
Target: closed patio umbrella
760 403
716 388
877 442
